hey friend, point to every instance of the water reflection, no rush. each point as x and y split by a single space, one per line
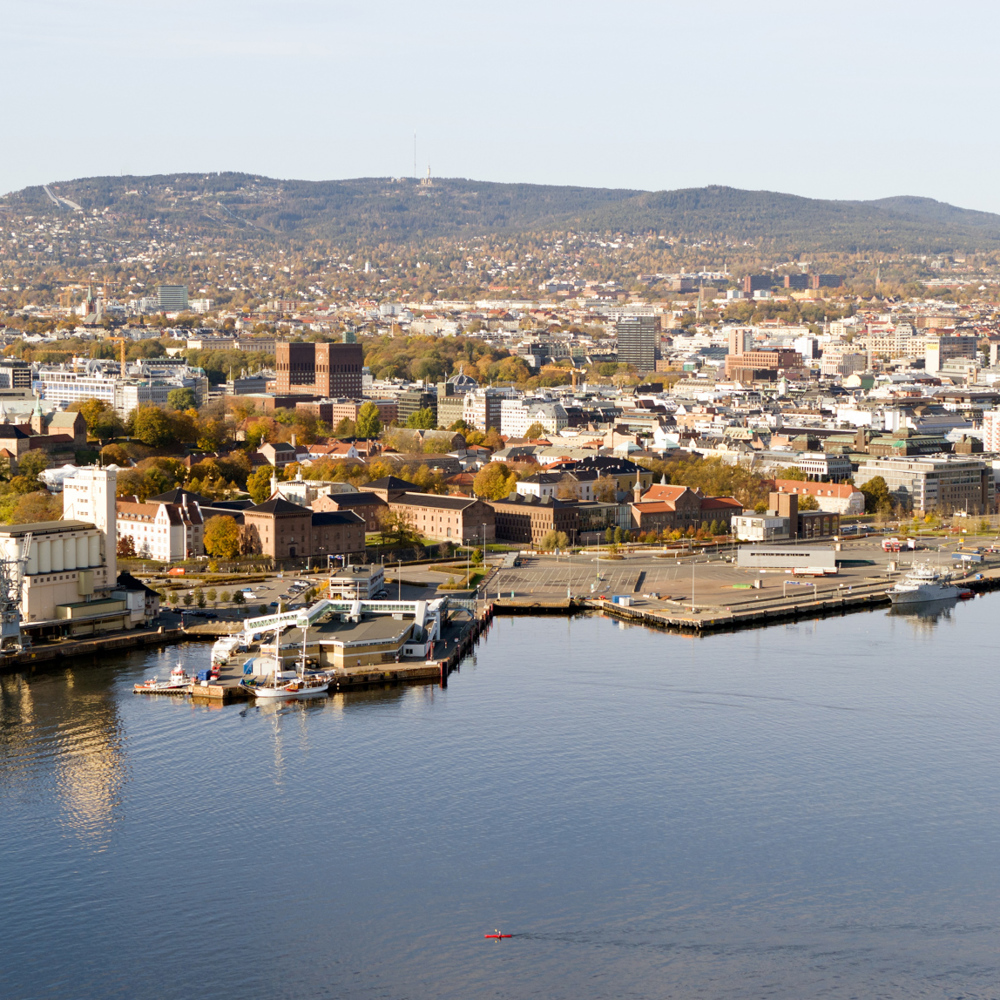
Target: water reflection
926 615
64 728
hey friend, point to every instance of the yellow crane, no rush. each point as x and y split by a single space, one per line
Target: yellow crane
120 340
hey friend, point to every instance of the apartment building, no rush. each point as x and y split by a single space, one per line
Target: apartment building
947 484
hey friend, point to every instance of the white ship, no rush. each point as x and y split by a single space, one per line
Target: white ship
923 584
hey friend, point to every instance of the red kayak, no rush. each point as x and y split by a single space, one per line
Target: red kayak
497 936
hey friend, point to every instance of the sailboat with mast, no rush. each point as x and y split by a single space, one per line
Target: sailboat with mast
303 685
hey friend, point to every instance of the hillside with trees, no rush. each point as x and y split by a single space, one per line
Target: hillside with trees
243 210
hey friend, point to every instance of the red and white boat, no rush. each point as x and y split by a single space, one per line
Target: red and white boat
178 682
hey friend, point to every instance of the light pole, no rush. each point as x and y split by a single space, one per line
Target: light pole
692 585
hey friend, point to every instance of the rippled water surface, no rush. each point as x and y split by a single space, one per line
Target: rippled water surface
810 811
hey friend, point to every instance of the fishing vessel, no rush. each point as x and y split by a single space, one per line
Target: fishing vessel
179 682
922 584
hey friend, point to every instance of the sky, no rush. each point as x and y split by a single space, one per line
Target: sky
837 100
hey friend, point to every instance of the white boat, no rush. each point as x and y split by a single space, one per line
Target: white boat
224 648
178 682
298 688
922 584
303 685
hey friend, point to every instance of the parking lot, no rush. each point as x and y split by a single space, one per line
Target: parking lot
709 579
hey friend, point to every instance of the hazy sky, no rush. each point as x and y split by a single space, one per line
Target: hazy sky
840 100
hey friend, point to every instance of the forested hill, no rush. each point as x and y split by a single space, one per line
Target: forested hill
380 210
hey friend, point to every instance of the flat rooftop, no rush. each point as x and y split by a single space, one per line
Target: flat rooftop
380 628
46 527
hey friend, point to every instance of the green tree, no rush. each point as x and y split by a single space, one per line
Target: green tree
619 536
609 534
102 421
808 502
536 430
494 481
225 596
199 597
31 463
396 527
369 423
172 597
222 537
181 399
259 484
211 595
346 428
792 472
423 419
878 499
152 426
188 599
238 597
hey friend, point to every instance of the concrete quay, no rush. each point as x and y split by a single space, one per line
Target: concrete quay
88 649
455 644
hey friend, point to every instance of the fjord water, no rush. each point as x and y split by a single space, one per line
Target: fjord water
803 811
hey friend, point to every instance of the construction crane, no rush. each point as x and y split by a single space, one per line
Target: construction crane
11 574
120 340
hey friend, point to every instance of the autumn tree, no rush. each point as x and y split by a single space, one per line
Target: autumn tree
125 547
606 489
494 481
492 440
536 430
555 540
222 537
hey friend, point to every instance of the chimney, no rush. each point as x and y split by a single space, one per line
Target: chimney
637 489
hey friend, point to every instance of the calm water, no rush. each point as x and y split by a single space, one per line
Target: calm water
809 811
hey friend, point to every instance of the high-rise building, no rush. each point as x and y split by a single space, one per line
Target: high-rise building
991 430
15 374
756 283
320 369
172 298
796 281
740 340
638 339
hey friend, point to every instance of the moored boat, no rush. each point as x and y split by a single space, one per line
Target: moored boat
922 584
179 682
